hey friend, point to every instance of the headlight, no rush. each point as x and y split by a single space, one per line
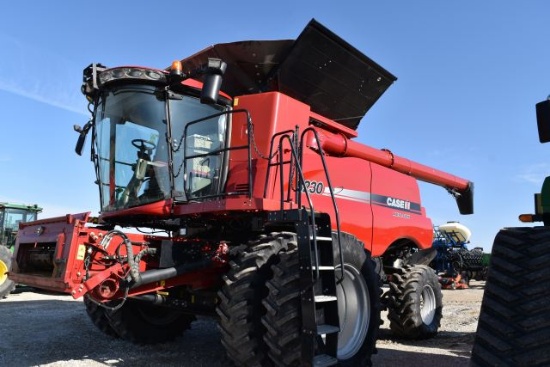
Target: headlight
134 73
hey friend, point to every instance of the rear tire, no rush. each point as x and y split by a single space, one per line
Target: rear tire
358 308
6 285
514 321
144 323
240 308
415 304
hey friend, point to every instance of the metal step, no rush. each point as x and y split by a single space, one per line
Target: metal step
324 360
324 298
327 329
320 238
324 267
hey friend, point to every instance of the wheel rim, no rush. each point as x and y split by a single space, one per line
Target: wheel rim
354 312
3 272
427 304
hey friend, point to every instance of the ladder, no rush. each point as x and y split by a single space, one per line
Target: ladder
319 300
318 295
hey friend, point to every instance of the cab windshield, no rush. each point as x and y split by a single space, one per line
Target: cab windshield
140 159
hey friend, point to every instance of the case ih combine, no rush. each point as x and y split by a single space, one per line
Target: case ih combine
260 208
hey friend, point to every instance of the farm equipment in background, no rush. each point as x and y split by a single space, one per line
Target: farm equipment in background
514 321
454 263
251 203
10 216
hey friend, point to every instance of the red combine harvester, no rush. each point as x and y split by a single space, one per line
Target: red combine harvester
250 202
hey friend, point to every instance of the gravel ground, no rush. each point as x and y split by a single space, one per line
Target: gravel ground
40 329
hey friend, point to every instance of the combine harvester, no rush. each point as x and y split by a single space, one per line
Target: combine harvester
263 211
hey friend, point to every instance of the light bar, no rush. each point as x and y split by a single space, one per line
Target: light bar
134 73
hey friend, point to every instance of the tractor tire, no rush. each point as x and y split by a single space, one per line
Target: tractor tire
514 321
143 323
6 285
358 308
240 308
415 304
99 318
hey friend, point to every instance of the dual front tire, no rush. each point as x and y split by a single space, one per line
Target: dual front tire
260 305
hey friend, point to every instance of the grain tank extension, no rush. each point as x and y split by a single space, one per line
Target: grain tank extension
251 203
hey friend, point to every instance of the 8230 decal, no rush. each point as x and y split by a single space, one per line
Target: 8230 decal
314 187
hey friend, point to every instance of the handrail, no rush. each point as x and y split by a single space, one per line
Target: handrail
325 169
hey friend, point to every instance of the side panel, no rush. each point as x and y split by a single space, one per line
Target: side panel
271 113
397 210
351 180
376 204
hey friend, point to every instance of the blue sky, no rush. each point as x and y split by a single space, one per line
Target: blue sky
469 74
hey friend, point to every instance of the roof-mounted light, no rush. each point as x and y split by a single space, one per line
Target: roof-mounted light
176 68
133 73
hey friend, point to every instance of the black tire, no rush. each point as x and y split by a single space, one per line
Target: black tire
99 318
240 308
359 308
415 304
514 321
144 323
6 285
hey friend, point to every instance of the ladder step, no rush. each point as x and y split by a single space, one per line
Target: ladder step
324 360
327 329
325 267
323 298
320 238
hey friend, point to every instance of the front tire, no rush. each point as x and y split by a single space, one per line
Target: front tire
98 316
240 308
144 323
415 304
358 308
6 285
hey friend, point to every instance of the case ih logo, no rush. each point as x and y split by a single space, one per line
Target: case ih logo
398 203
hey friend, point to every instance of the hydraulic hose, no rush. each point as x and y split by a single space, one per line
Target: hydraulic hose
134 266
156 275
149 276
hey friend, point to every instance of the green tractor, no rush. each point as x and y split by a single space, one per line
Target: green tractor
10 217
514 322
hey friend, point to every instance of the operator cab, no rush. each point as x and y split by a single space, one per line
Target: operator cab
155 137
10 217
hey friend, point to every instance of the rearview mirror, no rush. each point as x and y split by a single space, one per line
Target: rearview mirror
82 137
212 80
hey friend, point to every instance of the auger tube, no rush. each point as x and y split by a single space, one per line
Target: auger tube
339 145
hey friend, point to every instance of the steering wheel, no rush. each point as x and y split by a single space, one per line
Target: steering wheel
144 145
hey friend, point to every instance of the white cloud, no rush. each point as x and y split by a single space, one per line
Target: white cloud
534 174
40 75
